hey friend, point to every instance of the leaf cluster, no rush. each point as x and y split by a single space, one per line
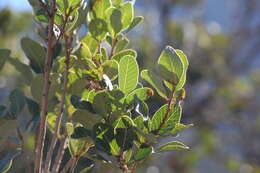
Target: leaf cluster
106 115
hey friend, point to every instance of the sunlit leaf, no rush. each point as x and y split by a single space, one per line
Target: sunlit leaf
143 152
118 56
128 74
171 146
155 81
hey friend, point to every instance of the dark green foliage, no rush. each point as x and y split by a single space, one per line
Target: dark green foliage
104 105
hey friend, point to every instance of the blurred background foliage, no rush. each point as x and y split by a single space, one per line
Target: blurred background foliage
221 39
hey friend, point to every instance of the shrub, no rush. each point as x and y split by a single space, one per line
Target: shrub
86 91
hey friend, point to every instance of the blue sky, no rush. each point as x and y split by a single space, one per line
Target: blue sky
19 5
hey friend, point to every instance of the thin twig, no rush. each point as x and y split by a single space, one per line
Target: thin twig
114 42
55 137
68 44
44 103
68 165
74 160
60 155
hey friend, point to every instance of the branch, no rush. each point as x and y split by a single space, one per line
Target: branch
59 157
68 43
114 42
169 109
71 164
44 102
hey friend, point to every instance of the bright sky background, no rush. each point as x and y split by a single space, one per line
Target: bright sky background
19 5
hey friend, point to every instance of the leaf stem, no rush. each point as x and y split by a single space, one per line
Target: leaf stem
44 102
113 46
171 101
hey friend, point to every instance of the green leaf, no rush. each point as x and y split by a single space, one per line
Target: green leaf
37 86
180 127
78 103
98 28
72 23
99 7
110 68
106 102
141 93
143 152
121 44
117 2
51 120
162 122
39 12
174 145
33 107
155 81
170 65
127 11
35 53
91 42
6 162
86 118
70 128
128 74
78 147
81 132
124 132
115 20
74 3
83 52
137 20
82 16
24 70
104 54
17 103
185 63
118 56
104 139
4 55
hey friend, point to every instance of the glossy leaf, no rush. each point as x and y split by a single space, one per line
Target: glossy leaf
170 65
128 74
98 28
121 44
137 20
141 93
91 42
155 81
127 11
99 8
118 56
143 152
174 145
110 68
185 63
162 122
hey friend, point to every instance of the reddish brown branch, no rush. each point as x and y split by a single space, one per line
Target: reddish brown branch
44 102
